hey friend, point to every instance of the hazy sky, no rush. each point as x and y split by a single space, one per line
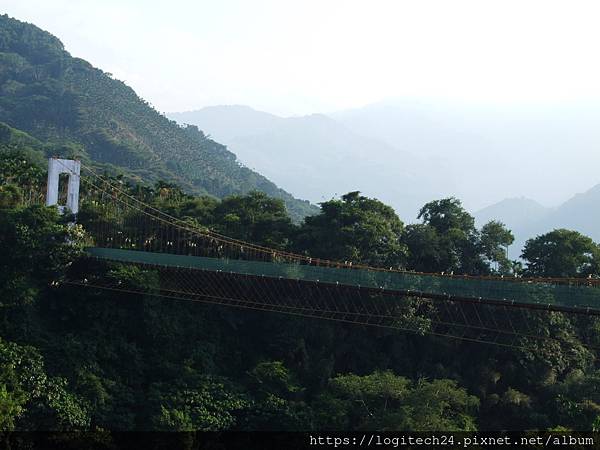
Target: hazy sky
302 56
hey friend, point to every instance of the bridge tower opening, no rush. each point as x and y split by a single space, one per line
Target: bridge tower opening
72 168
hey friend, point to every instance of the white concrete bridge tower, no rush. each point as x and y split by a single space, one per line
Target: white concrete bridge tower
56 167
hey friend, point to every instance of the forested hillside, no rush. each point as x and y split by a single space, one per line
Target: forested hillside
76 358
57 98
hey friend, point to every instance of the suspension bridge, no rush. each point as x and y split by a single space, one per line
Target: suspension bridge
190 262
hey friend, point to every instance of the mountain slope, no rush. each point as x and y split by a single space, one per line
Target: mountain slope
55 97
316 157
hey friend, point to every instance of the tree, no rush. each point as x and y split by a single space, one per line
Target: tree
207 404
30 399
561 253
440 405
450 232
447 214
384 401
448 241
36 247
356 229
11 196
276 401
255 218
494 239
200 209
425 250
576 400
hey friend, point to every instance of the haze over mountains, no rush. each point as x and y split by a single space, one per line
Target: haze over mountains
518 164
547 152
317 157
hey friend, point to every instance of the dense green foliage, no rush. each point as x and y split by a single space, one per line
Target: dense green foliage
63 100
76 358
447 241
562 253
354 228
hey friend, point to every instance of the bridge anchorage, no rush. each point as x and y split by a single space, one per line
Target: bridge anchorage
190 262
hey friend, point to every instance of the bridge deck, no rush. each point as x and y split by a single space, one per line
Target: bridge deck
569 296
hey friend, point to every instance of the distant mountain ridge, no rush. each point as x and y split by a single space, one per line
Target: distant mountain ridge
528 218
57 98
514 212
581 213
317 157
226 122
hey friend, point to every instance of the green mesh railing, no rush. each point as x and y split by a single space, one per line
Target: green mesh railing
566 295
